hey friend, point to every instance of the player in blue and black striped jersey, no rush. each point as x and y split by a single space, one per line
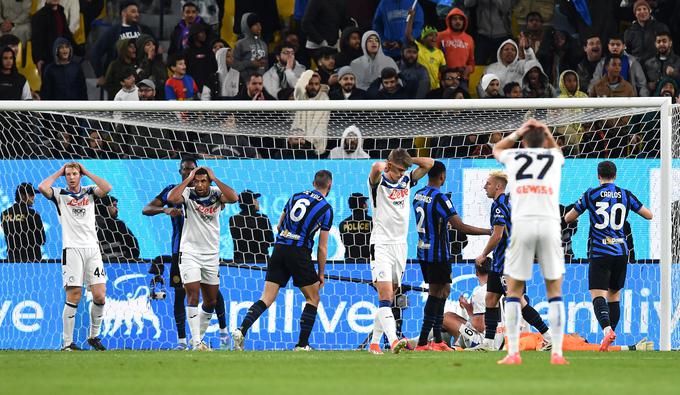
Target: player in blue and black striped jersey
305 213
434 211
608 206
500 219
174 211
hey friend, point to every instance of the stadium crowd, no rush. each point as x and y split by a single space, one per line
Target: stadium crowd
339 50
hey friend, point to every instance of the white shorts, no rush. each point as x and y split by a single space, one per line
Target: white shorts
82 266
203 268
469 337
388 262
540 238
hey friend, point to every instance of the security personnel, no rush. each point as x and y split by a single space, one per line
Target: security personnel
23 228
355 230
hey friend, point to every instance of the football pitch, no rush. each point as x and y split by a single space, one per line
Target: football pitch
333 372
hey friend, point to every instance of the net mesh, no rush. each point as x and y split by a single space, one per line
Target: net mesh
139 152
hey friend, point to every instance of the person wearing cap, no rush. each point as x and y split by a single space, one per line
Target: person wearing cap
250 52
251 230
23 227
346 88
490 86
146 89
640 37
355 230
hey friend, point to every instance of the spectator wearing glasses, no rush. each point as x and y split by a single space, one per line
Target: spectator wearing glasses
285 72
450 78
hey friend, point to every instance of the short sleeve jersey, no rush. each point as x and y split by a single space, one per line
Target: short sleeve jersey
305 213
390 202
433 210
500 216
77 217
201 230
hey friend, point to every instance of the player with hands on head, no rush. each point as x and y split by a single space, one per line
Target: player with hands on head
81 260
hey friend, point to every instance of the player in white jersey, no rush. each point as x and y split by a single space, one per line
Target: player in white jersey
390 186
199 250
81 262
534 178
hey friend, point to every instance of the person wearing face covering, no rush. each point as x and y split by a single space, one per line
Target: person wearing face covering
226 82
351 145
367 68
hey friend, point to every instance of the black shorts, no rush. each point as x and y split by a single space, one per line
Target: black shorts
496 283
435 272
607 272
290 261
175 278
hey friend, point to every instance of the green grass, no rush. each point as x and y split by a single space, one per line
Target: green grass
333 372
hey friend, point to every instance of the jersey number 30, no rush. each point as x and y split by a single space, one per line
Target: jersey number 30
614 218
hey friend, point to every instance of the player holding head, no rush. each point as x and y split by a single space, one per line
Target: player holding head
609 206
495 288
534 177
81 261
174 211
304 214
390 187
433 210
199 249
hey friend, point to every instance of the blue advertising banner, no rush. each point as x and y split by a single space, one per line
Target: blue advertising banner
32 299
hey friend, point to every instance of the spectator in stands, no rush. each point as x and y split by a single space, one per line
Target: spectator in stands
285 72
631 70
455 93
71 10
612 84
63 147
450 79
250 230
227 79
97 147
429 56
179 39
457 45
13 86
535 83
321 22
64 78
490 86
150 63
368 67
91 10
16 18
47 24
218 44
569 85
350 46
494 26
266 10
250 52
668 87
391 85
313 124
146 89
351 145
115 238
10 40
346 88
524 9
509 67
390 22
301 55
414 71
355 230
559 52
128 88
254 89
586 68
534 30
126 61
200 59
104 49
325 65
512 90
641 35
591 17
23 227
664 64
362 11
180 86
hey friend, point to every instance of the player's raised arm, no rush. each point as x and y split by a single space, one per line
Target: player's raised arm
424 165
511 140
175 195
103 186
458 225
376 171
228 193
495 238
45 187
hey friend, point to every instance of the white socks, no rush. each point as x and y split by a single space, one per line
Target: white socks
377 329
386 318
194 325
513 314
556 318
96 316
205 318
68 316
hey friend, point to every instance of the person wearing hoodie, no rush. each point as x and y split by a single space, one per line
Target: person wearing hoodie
227 80
346 88
285 72
535 83
641 35
631 69
321 22
63 79
509 67
571 134
355 230
491 87
150 63
250 230
47 24
368 67
250 52
664 64
127 56
267 10
458 46
390 22
200 58
350 47
569 85
179 38
351 145
494 25
13 86
313 125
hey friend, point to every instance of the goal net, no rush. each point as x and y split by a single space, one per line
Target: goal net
271 150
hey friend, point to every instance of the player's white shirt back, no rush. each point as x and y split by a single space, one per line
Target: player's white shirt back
391 209
201 230
77 217
534 178
478 300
